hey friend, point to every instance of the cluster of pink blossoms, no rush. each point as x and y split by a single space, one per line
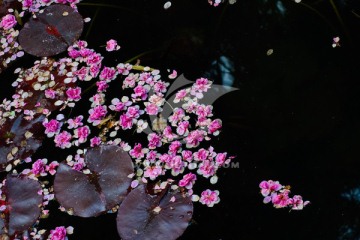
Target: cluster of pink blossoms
171 148
278 195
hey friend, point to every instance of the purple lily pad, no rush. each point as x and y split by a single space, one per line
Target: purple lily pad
143 216
22 204
52 31
20 138
91 194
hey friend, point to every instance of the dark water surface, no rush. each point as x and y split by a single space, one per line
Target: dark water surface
295 117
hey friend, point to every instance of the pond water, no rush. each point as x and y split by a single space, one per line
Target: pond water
294 118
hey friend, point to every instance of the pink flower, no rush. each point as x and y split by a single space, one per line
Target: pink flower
201 84
214 126
220 158
125 122
187 155
194 138
94 70
204 111
62 140
134 112
129 81
174 147
82 73
297 202
51 127
102 86
206 168
188 180
137 151
139 92
8 21
152 109
180 95
82 133
51 168
151 156
280 200
74 94
76 122
268 187
79 163
177 116
160 86
27 3
209 197
73 53
58 234
168 134
182 128
154 140
201 155
50 93
112 45
38 167
123 68
153 172
95 141
97 114
175 164
97 99
108 74
92 58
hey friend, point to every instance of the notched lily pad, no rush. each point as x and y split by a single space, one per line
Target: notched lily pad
89 195
52 31
22 205
143 216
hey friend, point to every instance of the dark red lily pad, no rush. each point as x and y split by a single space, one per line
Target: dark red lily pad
91 194
6 4
20 138
52 31
22 203
143 216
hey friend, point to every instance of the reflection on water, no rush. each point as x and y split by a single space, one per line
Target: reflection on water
351 229
222 69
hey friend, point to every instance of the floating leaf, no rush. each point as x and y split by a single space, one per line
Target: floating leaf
52 31
22 205
89 195
144 216
6 4
19 139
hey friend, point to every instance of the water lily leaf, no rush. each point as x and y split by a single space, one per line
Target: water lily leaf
52 31
143 216
6 4
89 195
22 204
19 139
